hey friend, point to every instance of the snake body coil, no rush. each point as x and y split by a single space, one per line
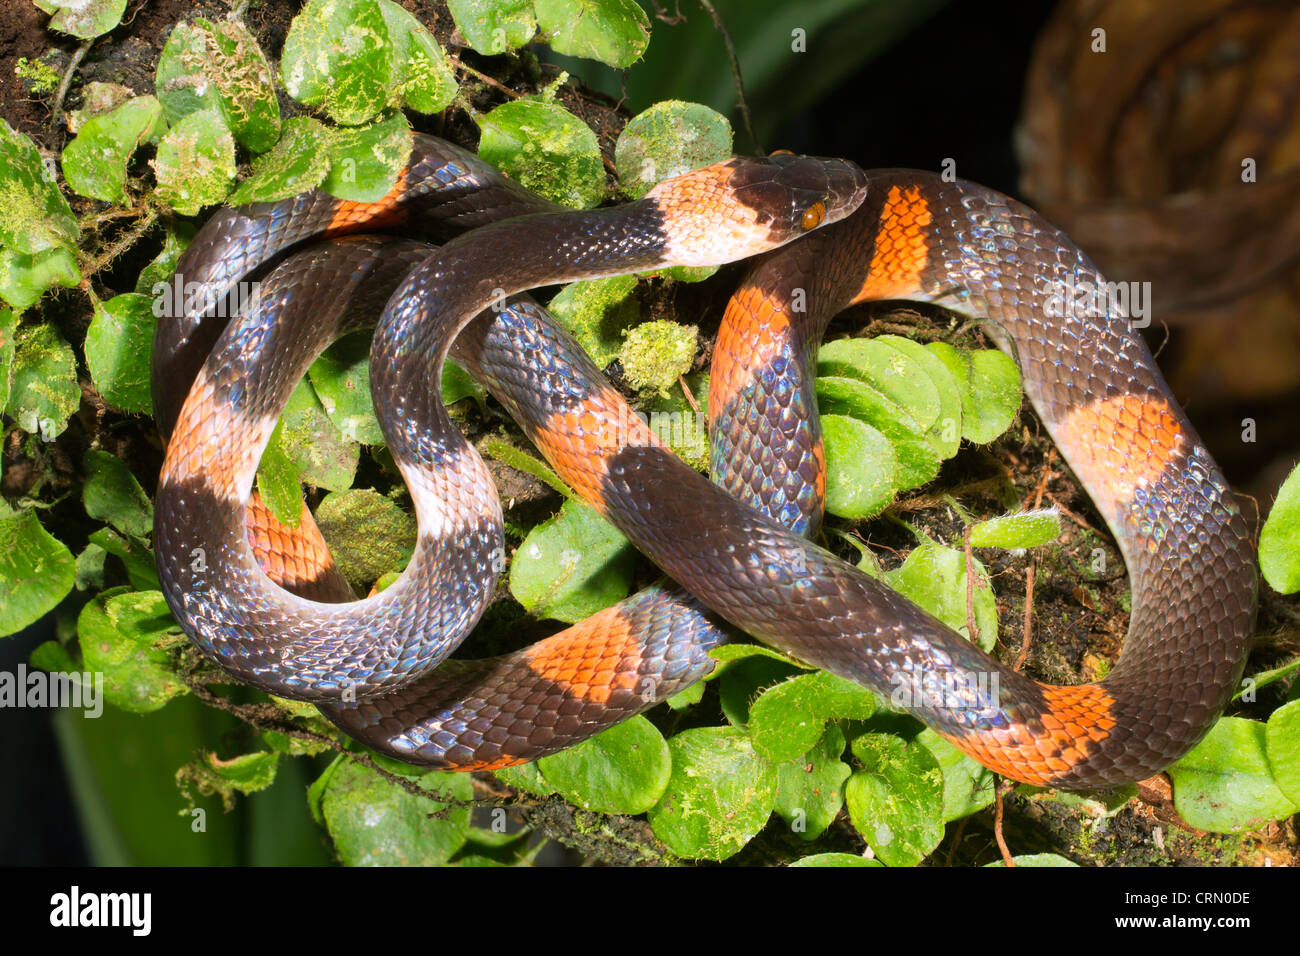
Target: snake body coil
738 549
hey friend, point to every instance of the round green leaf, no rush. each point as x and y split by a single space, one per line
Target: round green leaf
24 278
572 566
896 800
376 823
297 163
1036 859
1282 735
787 720
622 770
834 859
36 571
95 162
424 79
195 166
112 494
494 26
546 148
968 786
615 32
118 345
43 389
935 578
323 457
719 796
34 216
219 66
365 162
1026 529
121 632
339 56
666 140
810 789
914 456
861 468
990 389
598 312
84 19
1226 783
1279 540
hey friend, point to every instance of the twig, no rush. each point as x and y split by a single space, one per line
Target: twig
64 86
484 77
735 71
106 258
971 626
997 822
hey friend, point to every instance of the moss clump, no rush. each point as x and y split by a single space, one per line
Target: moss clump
656 354
42 77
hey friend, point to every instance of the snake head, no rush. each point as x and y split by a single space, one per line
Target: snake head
748 205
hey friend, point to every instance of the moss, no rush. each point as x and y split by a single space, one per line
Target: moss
42 77
656 354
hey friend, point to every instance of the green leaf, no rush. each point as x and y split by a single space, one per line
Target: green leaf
934 577
676 422
1026 529
338 55
944 434
615 32
1226 784
1036 859
1279 540
112 494
118 345
246 773
84 19
365 162
323 457
195 166
423 76
968 786
298 162
494 26
278 483
1282 735
219 66
834 859
719 795
546 148
914 456
990 389
743 680
156 278
376 823
787 720
34 216
43 389
367 533
527 777
667 140
861 468
36 571
896 800
572 566
95 162
24 278
341 380
135 558
122 633
623 770
8 345
598 312
810 790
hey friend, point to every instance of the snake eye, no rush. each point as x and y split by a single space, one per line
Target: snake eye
813 216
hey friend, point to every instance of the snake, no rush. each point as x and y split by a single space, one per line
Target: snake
265 601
